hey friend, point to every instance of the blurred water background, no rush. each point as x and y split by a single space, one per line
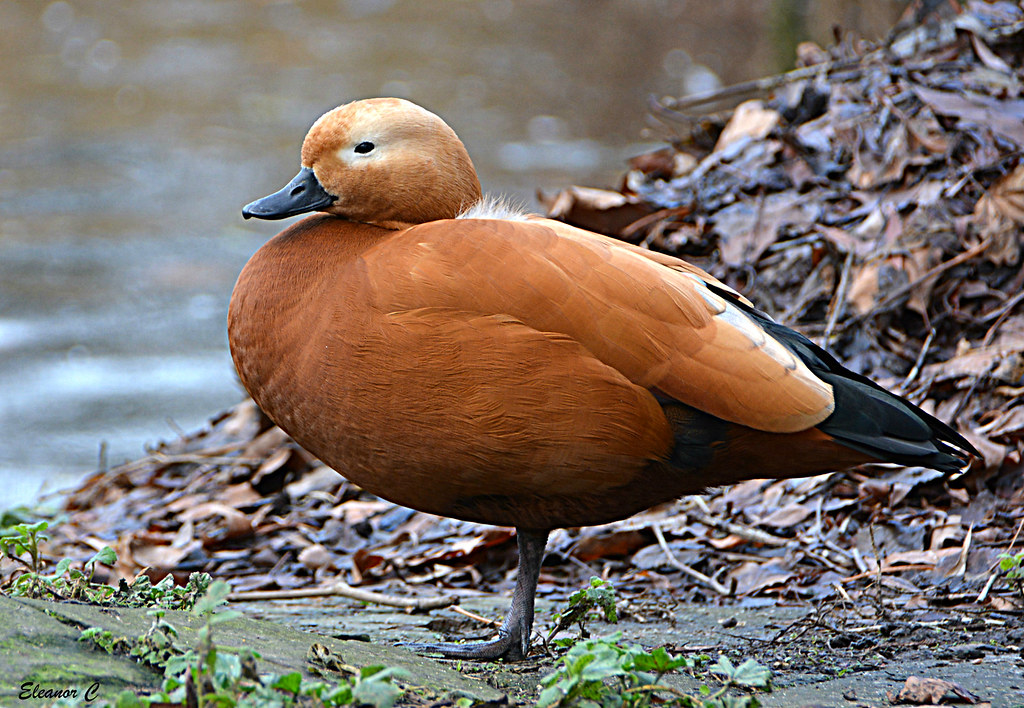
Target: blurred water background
131 133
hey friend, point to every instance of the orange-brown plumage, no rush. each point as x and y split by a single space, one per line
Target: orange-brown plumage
519 371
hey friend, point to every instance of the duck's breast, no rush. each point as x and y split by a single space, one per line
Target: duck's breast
450 410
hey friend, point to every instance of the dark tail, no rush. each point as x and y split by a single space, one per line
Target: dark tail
869 419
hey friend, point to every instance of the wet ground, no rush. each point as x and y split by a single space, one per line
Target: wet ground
827 659
131 134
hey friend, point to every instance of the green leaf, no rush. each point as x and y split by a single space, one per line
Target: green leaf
289 682
723 666
62 567
550 696
215 596
749 673
128 699
379 693
104 556
659 661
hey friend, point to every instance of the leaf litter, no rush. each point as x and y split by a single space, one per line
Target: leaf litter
872 199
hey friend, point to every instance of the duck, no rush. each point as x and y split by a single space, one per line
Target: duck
460 357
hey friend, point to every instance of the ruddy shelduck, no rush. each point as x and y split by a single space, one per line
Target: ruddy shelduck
465 360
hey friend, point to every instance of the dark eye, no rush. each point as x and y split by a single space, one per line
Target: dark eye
364 147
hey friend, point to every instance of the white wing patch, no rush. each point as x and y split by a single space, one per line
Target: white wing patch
493 206
759 339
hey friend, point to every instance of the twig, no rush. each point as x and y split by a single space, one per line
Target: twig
877 572
670 107
849 600
825 561
904 289
961 562
988 586
346 590
695 574
1001 314
920 360
747 532
475 617
203 459
837 306
975 380
879 604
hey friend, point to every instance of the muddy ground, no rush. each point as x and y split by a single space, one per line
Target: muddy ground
830 657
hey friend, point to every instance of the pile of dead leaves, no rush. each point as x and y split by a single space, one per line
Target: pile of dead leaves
873 199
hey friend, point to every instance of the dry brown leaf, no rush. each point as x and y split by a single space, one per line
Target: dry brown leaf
316 557
787 516
355 510
992 452
926 132
950 530
752 576
932 558
997 362
750 121
1005 117
999 214
931 691
187 501
320 479
988 57
613 545
208 509
726 542
163 557
238 495
262 445
1009 422
599 210
872 282
747 228
873 167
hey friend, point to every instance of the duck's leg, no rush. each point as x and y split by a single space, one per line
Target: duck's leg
513 640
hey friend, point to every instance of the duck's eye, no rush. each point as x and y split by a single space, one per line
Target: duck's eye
364 147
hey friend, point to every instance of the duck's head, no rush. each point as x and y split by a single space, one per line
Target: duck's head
382 161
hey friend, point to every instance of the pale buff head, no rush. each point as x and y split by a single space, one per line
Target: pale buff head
383 161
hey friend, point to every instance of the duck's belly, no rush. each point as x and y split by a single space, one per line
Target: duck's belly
478 418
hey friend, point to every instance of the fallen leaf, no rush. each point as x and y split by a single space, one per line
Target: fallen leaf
921 691
752 576
612 545
787 516
316 556
750 121
999 214
1005 117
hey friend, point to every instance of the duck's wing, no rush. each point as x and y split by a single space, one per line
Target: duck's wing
659 324
578 234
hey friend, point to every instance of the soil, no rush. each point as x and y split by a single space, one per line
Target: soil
825 657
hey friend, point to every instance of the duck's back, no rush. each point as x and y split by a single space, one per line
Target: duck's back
449 410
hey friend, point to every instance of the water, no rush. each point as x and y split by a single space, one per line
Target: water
132 133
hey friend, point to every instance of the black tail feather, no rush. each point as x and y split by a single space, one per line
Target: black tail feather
868 418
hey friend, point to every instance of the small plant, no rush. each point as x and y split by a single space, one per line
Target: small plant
598 596
165 594
19 540
749 674
1013 566
601 673
209 674
66 582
